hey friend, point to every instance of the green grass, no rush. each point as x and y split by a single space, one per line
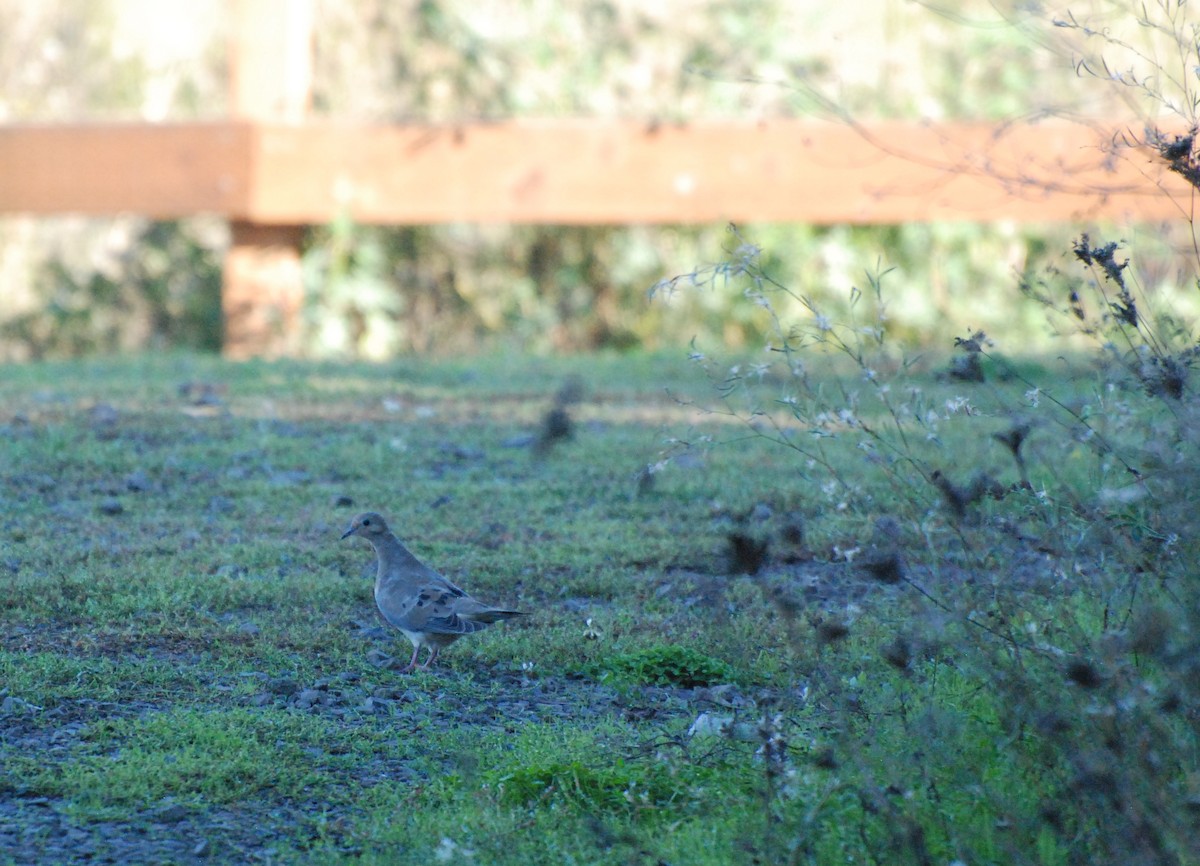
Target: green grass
199 652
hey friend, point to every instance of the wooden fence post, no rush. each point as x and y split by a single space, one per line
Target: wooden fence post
270 80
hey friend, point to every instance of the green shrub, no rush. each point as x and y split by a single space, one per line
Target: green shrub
638 790
664 666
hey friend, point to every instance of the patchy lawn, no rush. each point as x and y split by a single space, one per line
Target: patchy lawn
192 670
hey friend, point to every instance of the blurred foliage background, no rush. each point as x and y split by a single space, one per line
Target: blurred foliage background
73 286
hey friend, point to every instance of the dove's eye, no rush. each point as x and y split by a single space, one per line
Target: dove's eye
366 523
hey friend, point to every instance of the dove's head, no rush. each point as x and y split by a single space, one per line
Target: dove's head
369 525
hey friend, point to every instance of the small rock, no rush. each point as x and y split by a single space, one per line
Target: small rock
379 658
289 477
262 699
248 628
10 706
309 697
710 725
111 506
761 513
220 505
200 849
523 440
202 393
725 695
342 501
137 481
103 415
370 631
171 814
283 686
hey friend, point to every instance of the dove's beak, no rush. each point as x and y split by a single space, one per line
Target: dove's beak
349 532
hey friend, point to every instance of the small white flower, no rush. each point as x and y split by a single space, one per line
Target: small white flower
1031 396
448 848
846 554
823 323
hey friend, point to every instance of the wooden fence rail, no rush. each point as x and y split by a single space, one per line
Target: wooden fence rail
270 173
583 172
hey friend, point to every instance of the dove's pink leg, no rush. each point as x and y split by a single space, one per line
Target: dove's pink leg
412 662
432 658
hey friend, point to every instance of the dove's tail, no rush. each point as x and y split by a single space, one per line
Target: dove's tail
496 615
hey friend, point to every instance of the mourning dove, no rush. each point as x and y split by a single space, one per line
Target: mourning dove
429 609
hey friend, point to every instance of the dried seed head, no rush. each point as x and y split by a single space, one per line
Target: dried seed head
747 554
983 485
792 531
1052 724
955 498
1014 437
556 425
966 368
1164 377
1149 631
972 344
831 630
1093 773
886 568
787 604
644 480
1171 703
825 758
1084 674
898 653
1077 306
1179 147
